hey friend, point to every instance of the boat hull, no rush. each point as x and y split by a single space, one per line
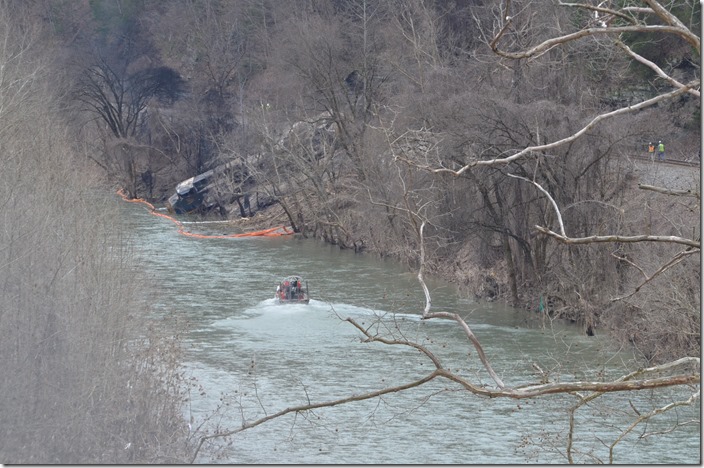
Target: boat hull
292 301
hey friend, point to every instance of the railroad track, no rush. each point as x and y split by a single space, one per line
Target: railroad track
670 162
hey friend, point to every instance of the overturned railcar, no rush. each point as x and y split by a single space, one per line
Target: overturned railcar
192 195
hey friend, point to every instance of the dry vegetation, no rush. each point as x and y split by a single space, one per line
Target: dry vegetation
400 111
83 382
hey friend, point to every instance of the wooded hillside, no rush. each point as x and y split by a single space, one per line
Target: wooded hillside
360 118
492 143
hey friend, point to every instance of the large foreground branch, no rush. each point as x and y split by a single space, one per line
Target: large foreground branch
624 383
616 238
465 327
311 406
555 41
667 191
646 417
693 246
673 261
659 71
633 381
679 363
673 26
565 239
502 161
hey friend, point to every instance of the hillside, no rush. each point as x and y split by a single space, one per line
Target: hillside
495 144
356 122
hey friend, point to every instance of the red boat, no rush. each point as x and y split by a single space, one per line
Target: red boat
292 290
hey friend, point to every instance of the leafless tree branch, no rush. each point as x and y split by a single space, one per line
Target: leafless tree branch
616 238
552 201
646 417
311 406
674 26
627 382
674 261
679 363
502 161
656 69
666 191
596 239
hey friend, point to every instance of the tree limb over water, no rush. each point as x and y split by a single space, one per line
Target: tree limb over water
637 380
682 372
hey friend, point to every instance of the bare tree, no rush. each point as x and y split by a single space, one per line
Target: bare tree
682 372
616 24
118 97
507 165
654 377
611 23
347 88
86 385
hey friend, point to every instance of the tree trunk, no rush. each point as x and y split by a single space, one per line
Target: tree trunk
511 270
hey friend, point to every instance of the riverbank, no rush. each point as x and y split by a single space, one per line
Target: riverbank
555 295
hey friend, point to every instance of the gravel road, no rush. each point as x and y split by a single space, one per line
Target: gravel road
668 176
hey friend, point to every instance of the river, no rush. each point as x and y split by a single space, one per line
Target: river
251 358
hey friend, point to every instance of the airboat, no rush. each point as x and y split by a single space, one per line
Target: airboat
292 290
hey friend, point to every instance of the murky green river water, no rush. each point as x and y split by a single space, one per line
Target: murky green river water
256 358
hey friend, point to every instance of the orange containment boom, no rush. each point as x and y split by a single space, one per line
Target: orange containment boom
271 232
